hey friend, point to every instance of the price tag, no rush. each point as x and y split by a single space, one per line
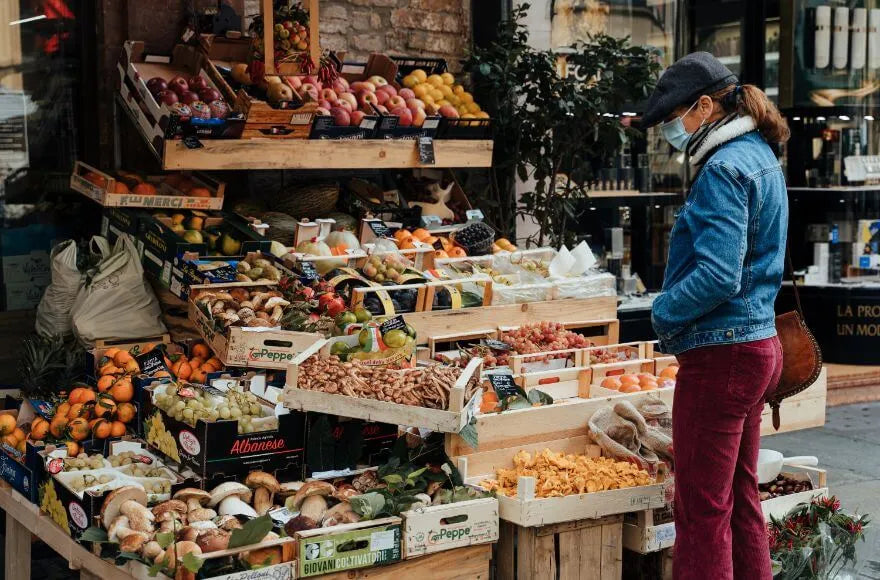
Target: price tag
474 215
151 362
438 244
396 323
308 270
426 151
379 228
495 344
427 220
282 515
192 142
503 385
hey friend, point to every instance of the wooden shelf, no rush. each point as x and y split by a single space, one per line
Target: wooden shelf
231 154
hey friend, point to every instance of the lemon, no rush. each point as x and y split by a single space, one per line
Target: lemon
420 75
458 90
421 90
410 81
466 98
435 80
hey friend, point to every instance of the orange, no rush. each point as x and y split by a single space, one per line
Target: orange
78 429
117 429
402 233
10 440
629 380
72 448
57 426
122 391
198 376
132 367
21 447
121 358
201 350
430 240
457 252
199 192
196 362
102 429
182 369
19 434
630 388
126 412
120 188
421 233
62 409
611 383
643 376
105 382
96 179
440 254
648 385
669 372
406 243
39 429
87 395
109 368
105 407
214 362
110 353
148 347
144 189
78 410
7 423
81 395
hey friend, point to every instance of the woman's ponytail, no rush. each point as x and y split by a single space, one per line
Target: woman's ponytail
750 100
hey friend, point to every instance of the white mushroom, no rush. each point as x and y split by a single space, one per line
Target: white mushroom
203 525
229 488
233 506
314 507
111 508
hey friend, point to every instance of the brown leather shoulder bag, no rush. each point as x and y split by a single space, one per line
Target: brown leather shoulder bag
801 357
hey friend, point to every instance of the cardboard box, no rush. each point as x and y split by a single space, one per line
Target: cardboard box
217 447
349 547
23 296
117 221
336 443
32 267
446 527
21 470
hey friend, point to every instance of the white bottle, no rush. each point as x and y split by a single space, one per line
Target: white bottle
840 39
874 38
858 46
822 55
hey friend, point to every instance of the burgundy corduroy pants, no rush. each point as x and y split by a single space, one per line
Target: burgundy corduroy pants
720 392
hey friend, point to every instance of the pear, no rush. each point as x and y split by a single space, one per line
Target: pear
177 218
229 246
195 222
193 237
178 228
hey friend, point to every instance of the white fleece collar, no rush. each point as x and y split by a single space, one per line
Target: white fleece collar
723 134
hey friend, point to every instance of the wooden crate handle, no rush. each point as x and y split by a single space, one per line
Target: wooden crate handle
314 45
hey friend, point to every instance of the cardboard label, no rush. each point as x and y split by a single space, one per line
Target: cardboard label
308 270
189 442
427 220
78 515
152 362
192 142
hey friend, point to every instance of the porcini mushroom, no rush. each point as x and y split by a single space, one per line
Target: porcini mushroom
200 515
171 554
193 496
229 489
313 507
133 542
310 489
289 488
140 518
150 550
227 522
213 540
345 491
204 525
114 500
264 556
119 529
265 487
341 513
234 506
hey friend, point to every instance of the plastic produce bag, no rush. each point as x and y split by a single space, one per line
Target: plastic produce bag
54 310
115 300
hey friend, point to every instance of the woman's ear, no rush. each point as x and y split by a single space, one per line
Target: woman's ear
706 106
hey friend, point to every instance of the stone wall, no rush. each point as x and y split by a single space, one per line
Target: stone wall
439 28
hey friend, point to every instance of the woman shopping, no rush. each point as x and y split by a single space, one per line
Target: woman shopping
715 312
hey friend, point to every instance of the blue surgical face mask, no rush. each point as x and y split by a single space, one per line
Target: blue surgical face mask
675 133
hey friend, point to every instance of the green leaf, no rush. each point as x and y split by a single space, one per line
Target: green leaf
536 396
368 505
393 478
417 473
192 562
251 533
165 539
515 402
94 534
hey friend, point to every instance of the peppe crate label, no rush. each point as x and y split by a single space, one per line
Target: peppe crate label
269 355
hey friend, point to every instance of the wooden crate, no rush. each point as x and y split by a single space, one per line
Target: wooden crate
653 566
246 347
649 530
779 506
470 563
560 384
802 411
587 549
166 197
448 322
446 527
526 510
450 420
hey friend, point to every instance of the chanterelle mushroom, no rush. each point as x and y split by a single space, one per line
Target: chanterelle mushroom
229 489
265 487
193 496
114 500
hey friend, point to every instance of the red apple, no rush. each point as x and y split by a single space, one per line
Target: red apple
325 104
415 103
395 102
197 83
382 97
340 117
340 85
156 84
418 117
405 115
309 92
210 94
363 86
350 98
406 93
322 111
189 97
388 89
178 84
312 80
356 118
328 94
382 109
166 97
367 98
344 104
377 80
449 111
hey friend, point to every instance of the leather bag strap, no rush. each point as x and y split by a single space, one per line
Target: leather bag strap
797 296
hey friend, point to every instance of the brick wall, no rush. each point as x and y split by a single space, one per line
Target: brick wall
438 28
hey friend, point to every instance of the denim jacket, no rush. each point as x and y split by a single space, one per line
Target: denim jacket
726 251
